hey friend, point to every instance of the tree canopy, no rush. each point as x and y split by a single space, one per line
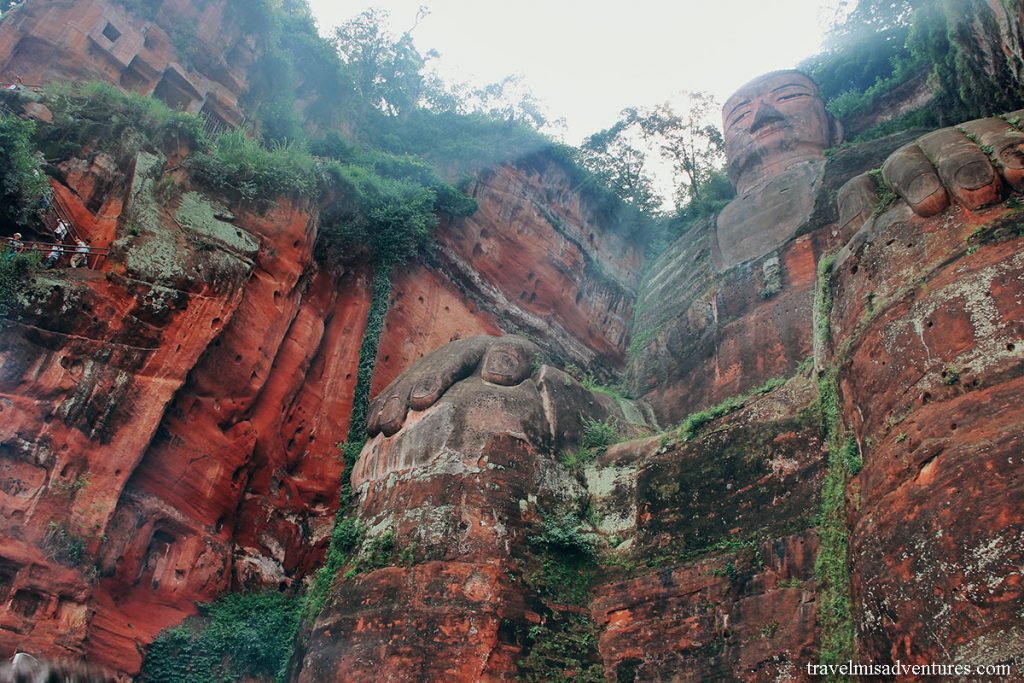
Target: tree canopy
623 155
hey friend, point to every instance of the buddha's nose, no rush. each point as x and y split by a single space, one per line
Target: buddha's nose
764 115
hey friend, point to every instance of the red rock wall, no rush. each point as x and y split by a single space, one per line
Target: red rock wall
536 259
701 337
720 583
85 40
185 433
929 315
543 260
238 487
197 404
425 312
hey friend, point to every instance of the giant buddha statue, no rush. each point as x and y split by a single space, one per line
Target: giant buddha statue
776 133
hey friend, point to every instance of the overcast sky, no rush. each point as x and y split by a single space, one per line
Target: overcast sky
588 59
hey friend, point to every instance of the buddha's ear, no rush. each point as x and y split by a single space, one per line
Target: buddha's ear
835 130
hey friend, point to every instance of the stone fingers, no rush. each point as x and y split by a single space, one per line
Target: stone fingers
1004 145
509 361
909 172
443 368
388 410
857 200
501 360
964 169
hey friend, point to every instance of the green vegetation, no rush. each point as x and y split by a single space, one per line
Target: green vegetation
239 166
823 299
694 422
834 610
17 272
598 434
22 183
563 648
590 383
577 458
368 352
346 536
886 194
99 117
885 45
564 532
64 545
375 204
729 571
564 645
620 158
950 375
867 49
831 566
828 403
239 636
769 630
73 486
772 283
392 216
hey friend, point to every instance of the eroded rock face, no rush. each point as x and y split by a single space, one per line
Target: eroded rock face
179 412
923 333
927 325
455 486
88 369
719 531
549 262
714 532
43 43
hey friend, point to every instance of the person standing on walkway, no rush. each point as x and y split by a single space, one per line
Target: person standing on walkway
81 256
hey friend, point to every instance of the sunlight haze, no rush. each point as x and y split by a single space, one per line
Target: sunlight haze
588 60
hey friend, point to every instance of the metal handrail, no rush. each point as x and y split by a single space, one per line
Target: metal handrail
55 212
93 258
21 86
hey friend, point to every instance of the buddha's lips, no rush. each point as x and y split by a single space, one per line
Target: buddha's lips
769 129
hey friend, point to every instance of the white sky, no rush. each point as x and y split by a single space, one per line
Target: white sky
589 59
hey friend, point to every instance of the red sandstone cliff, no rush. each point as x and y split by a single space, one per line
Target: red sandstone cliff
178 414
179 411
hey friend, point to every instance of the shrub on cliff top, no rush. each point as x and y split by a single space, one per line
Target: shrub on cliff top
238 165
103 118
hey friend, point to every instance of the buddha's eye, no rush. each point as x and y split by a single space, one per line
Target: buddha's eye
792 96
739 118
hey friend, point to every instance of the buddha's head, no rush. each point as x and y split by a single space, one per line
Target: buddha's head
773 122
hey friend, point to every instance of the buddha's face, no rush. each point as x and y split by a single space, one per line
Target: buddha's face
773 122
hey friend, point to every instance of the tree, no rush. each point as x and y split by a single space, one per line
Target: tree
622 165
688 140
22 182
509 100
866 46
386 70
622 154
